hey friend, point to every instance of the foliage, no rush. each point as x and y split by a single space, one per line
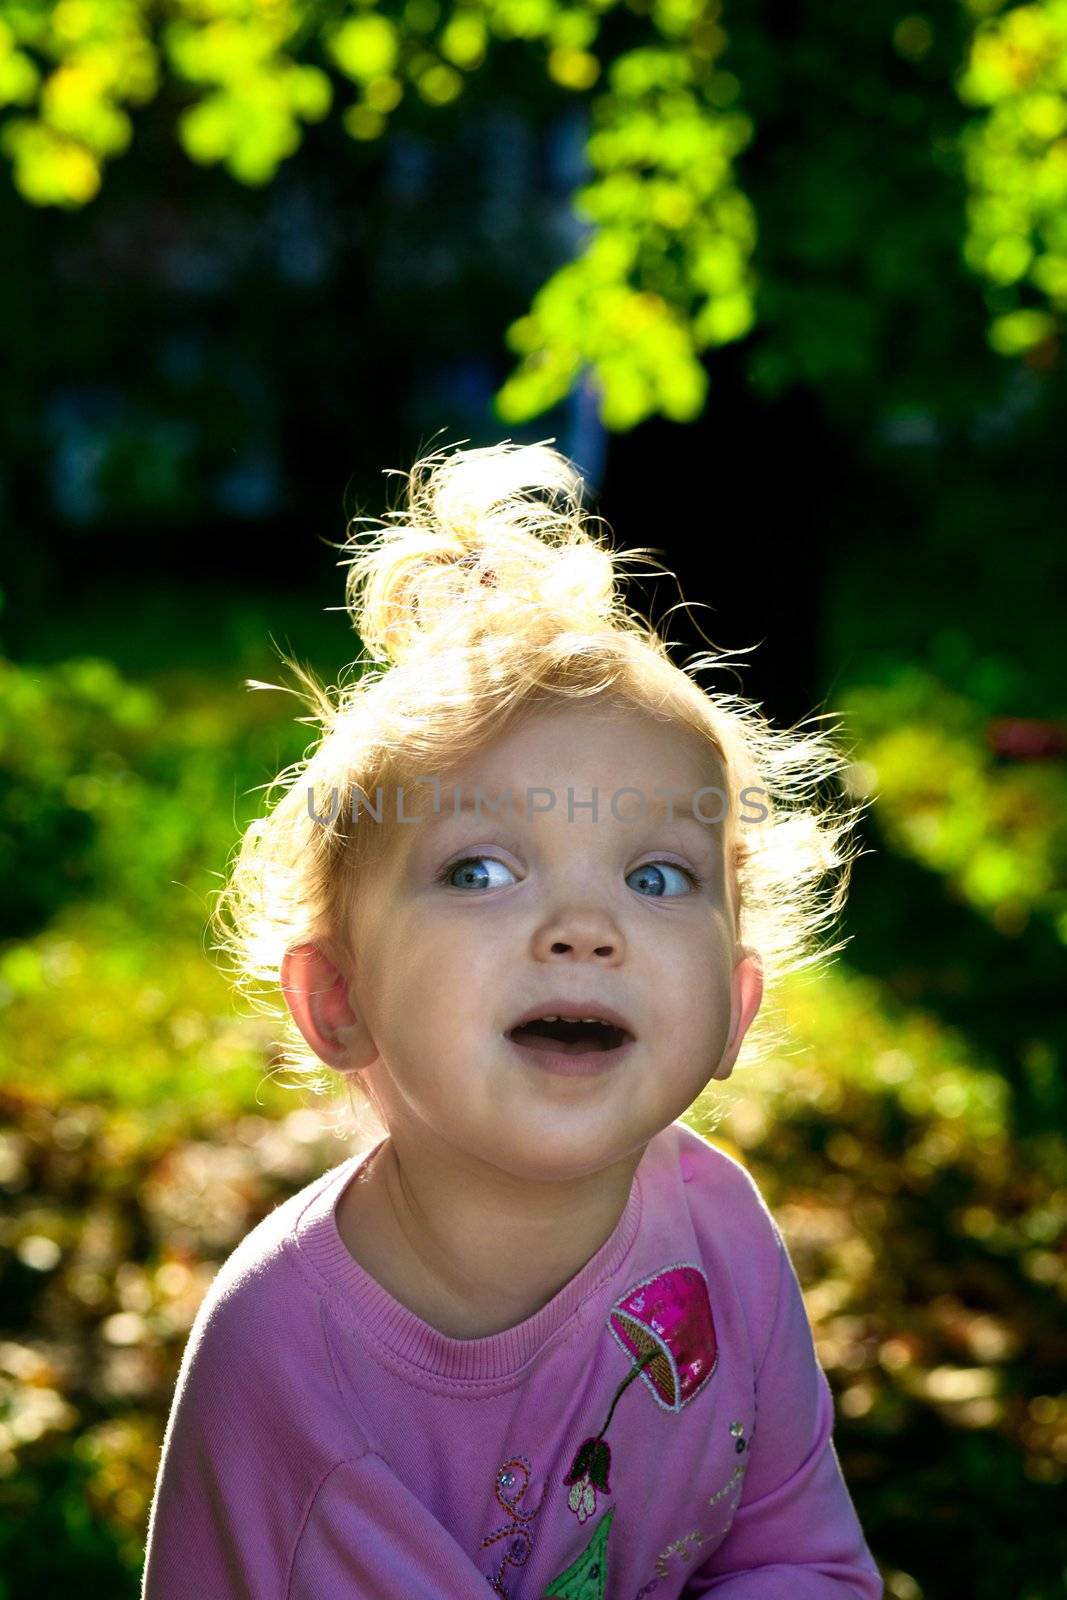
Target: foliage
119 811
995 831
1016 162
91 764
666 273
45 834
666 265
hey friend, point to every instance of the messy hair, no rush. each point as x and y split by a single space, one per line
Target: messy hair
492 592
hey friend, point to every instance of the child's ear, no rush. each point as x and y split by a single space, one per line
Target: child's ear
316 992
746 993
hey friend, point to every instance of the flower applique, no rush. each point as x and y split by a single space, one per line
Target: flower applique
670 1316
665 1326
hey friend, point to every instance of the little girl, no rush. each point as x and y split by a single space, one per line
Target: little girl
540 1338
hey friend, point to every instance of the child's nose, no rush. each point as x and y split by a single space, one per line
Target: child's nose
579 935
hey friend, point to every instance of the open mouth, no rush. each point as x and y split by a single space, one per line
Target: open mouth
560 1036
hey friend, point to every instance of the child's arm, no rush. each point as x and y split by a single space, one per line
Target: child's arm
266 1491
364 1536
795 1532
223 1528
367 1537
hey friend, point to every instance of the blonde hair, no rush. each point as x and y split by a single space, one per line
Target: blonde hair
490 595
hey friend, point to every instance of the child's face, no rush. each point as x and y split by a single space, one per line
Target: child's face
448 961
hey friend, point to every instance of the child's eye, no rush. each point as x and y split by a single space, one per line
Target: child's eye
473 872
475 875
652 874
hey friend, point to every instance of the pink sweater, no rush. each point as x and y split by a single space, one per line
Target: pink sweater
662 1426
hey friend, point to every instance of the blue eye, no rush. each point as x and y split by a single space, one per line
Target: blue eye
473 872
652 872
475 875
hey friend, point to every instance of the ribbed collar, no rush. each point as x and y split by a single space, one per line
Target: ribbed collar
415 1343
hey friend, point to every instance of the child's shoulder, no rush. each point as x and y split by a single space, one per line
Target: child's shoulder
717 1171
728 1209
259 1325
257 1266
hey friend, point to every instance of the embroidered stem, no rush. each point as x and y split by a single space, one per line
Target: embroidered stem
645 1359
